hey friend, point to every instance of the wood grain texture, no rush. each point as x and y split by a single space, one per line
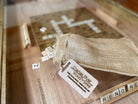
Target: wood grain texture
130 4
2 56
27 86
1 36
3 71
126 26
123 95
116 87
78 15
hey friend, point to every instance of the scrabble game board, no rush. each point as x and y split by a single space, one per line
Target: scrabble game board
83 22
25 85
77 21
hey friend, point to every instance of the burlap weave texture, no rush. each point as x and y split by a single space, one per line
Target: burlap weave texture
111 55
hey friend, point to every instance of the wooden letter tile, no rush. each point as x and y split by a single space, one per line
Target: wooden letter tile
136 83
116 93
130 86
110 96
122 90
104 99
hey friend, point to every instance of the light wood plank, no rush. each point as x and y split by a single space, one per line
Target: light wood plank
3 86
116 87
2 57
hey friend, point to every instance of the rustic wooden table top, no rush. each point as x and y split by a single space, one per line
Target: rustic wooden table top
28 86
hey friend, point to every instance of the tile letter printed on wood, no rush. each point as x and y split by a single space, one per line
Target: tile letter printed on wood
77 21
119 91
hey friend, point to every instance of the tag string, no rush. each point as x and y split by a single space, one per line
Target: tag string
60 68
60 64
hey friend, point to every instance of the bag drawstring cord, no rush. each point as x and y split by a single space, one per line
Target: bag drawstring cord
60 68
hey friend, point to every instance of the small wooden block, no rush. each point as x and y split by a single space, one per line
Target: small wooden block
45 53
110 96
116 93
36 66
49 49
43 29
122 90
45 58
104 99
51 55
106 17
54 46
136 83
51 36
130 86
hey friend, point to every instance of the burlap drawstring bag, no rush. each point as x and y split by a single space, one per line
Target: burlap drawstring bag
111 55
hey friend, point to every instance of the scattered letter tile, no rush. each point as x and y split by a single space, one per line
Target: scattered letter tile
36 66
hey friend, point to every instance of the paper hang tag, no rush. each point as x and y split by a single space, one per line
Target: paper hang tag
78 78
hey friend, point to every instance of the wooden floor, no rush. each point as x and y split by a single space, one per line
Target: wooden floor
27 86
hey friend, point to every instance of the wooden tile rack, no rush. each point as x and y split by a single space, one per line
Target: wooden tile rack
127 92
25 36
